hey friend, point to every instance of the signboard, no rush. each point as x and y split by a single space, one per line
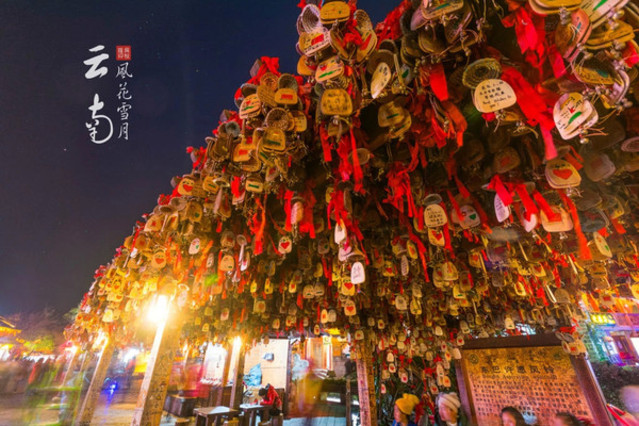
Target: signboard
533 374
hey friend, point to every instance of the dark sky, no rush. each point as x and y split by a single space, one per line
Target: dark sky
67 203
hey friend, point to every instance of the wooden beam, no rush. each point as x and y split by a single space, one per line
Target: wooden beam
91 398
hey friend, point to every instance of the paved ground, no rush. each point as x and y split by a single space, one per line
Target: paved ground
117 410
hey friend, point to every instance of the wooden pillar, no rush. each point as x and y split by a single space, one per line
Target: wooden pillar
148 411
592 390
237 390
91 398
348 401
366 385
71 366
225 374
289 377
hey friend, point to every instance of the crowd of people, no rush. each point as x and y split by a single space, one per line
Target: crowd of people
23 375
409 410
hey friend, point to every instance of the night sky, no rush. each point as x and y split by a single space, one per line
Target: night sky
67 203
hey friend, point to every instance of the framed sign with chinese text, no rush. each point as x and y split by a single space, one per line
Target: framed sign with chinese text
531 373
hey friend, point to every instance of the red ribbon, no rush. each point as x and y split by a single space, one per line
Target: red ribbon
618 226
533 107
357 169
630 55
235 186
389 28
326 145
421 248
307 225
497 185
458 121
453 202
529 206
584 251
545 207
461 188
438 81
288 195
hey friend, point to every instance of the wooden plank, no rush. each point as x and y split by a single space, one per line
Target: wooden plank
513 342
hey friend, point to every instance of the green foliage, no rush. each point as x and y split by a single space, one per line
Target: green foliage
42 331
612 378
43 345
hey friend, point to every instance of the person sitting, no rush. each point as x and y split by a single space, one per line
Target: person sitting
404 407
271 398
449 411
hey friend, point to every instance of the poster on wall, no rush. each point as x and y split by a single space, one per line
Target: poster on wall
534 375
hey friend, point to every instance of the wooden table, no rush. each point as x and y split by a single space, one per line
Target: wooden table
250 413
211 416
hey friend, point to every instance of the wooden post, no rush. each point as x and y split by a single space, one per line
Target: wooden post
149 408
71 366
349 400
289 377
225 374
91 398
366 385
237 390
592 390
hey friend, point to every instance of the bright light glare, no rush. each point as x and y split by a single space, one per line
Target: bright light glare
159 309
130 353
237 342
100 340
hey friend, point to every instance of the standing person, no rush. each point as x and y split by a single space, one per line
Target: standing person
271 398
510 416
449 411
404 407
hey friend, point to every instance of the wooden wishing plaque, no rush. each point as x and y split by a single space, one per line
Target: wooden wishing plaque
530 373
